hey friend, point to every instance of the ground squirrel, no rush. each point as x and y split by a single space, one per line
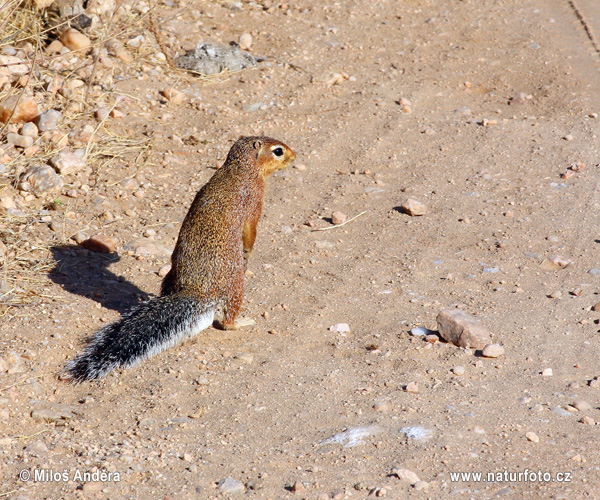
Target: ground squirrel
208 266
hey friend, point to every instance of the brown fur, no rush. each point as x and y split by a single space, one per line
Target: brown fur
218 233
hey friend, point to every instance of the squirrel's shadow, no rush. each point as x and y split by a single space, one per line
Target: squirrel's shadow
86 273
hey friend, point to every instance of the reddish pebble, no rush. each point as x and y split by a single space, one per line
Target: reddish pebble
100 243
25 109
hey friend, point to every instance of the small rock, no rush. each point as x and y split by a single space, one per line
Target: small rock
14 362
594 383
547 372
554 262
492 351
421 486
67 162
11 66
383 406
533 437
25 109
40 179
74 40
557 410
588 420
79 237
582 405
406 475
413 207
164 270
300 166
246 358
100 243
136 42
145 247
405 105
338 217
173 95
230 486
520 98
48 120
21 141
458 370
7 202
411 387
340 328
596 307
149 233
432 338
245 41
55 46
48 415
331 79
458 328
29 130
211 59
37 448
419 331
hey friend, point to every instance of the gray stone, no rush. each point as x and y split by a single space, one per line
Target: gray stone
40 179
560 411
52 415
48 120
458 328
230 486
37 448
211 59
145 247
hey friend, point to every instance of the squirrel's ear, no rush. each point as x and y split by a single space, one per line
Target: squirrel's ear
257 145
241 137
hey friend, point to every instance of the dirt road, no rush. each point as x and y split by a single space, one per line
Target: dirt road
474 108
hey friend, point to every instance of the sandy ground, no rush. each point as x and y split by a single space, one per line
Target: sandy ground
259 405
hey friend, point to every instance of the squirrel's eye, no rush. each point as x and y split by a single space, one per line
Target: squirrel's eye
278 151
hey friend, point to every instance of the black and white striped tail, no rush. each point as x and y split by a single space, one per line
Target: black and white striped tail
142 332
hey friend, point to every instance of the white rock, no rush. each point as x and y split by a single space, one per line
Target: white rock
340 328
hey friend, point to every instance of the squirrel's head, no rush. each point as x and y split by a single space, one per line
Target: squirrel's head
271 155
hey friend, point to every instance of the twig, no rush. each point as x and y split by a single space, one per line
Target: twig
342 224
17 5
586 26
22 438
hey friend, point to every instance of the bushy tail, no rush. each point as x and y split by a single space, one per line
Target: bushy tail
142 332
